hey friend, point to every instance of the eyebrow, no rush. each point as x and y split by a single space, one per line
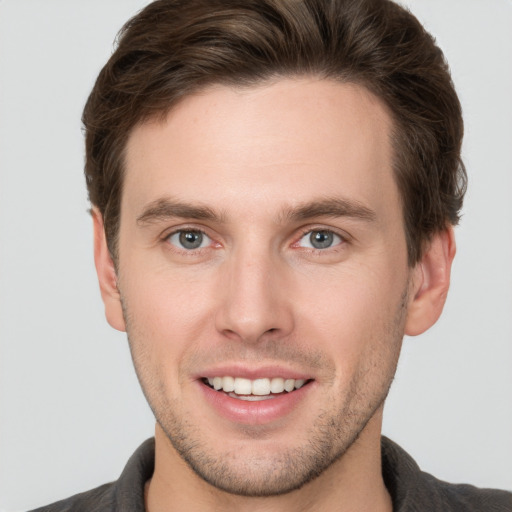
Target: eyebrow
332 207
165 208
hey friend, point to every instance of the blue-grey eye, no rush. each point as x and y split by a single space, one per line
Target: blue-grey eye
320 239
189 239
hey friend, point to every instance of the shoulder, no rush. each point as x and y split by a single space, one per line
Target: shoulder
124 495
468 498
100 499
414 490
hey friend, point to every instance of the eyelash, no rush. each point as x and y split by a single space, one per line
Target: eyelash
306 231
189 252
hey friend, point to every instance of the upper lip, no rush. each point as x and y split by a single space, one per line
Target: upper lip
252 373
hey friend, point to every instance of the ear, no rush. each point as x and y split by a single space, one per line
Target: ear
431 280
107 275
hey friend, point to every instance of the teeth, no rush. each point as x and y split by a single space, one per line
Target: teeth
289 385
261 387
243 386
277 385
299 383
228 384
257 387
251 398
217 383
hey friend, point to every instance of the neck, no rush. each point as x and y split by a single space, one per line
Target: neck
354 482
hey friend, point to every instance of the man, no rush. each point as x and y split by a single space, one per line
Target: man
273 188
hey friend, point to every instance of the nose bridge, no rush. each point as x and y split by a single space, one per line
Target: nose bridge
254 303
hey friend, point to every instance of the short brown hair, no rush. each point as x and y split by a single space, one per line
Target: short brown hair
174 48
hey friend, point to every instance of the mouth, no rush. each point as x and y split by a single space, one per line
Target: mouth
265 396
254 390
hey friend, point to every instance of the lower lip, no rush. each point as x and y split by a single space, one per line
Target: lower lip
254 412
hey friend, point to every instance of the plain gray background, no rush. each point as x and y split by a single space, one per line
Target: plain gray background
71 409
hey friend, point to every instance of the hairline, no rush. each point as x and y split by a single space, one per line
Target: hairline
160 116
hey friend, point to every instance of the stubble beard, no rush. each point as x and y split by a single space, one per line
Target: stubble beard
328 439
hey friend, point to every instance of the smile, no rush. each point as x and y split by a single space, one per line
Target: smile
260 397
254 390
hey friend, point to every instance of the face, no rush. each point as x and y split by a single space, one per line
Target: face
263 276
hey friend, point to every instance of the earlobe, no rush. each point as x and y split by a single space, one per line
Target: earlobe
431 282
107 277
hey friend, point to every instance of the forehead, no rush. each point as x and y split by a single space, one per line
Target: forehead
276 143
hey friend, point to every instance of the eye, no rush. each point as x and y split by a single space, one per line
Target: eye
320 239
189 239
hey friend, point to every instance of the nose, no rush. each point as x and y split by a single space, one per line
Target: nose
256 302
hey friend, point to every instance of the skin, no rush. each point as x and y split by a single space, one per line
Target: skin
246 163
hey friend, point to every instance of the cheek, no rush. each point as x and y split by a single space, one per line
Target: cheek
351 311
165 312
162 323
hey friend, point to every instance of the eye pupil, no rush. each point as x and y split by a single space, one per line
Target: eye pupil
191 239
321 239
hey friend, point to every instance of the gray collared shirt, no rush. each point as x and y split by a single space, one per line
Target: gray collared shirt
411 489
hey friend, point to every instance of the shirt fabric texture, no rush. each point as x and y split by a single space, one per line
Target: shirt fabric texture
411 489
